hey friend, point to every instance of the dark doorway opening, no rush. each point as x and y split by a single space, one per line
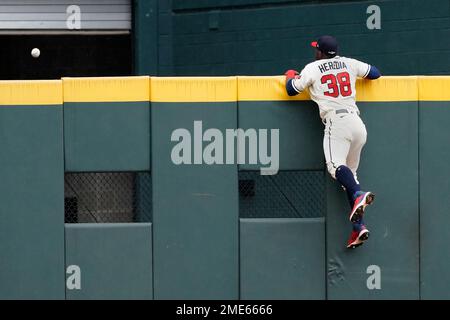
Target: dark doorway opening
65 55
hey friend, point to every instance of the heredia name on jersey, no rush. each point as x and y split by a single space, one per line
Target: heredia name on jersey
332 65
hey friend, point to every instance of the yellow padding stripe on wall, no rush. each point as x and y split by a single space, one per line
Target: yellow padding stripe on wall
387 89
107 89
436 88
270 88
35 92
193 89
207 89
383 89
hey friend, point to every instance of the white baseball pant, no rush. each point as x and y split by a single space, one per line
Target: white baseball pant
344 137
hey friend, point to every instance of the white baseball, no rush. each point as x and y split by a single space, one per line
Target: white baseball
35 53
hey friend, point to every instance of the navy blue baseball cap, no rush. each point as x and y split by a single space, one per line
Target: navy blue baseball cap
326 44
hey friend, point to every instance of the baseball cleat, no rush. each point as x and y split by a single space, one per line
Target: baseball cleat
363 199
357 238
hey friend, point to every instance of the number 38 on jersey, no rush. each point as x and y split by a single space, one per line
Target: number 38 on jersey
338 84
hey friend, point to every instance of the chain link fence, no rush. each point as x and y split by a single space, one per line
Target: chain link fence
289 194
107 197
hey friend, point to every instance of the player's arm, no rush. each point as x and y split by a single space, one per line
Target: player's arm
365 70
373 74
295 82
291 75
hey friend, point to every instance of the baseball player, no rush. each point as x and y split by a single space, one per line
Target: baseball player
331 82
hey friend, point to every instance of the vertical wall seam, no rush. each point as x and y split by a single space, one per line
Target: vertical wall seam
418 187
64 172
237 188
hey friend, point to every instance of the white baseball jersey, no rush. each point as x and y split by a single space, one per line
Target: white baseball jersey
331 82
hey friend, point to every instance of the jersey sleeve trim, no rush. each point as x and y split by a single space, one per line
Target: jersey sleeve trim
367 72
290 88
294 86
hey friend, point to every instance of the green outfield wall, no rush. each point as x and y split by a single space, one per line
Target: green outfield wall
433 176
112 264
32 171
267 37
219 227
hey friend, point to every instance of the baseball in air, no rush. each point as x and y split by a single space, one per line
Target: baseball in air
35 53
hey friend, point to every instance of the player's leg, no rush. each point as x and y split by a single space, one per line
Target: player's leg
336 146
359 234
359 138
360 198
346 178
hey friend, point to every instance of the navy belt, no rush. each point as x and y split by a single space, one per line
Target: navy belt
338 111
